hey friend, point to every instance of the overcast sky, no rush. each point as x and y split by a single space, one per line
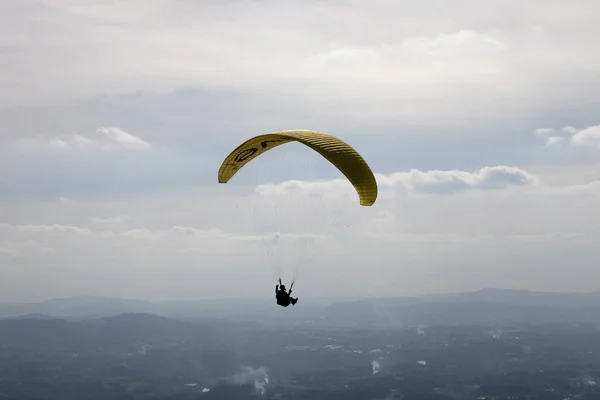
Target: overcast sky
480 119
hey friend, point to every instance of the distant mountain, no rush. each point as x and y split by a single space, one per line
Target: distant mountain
34 316
78 307
489 306
522 297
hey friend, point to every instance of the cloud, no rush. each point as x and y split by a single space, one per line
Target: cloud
10 250
119 219
461 43
184 235
422 242
543 132
433 182
406 70
411 53
570 129
448 182
121 138
58 229
67 201
107 138
553 140
585 137
107 161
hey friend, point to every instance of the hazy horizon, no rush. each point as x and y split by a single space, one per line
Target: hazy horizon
340 298
480 122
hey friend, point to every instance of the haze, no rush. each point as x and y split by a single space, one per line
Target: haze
480 120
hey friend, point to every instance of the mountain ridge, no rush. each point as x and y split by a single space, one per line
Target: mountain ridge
487 305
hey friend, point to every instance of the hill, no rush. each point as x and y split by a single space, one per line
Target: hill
486 306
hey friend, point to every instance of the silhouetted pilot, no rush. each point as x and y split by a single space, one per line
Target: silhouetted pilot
283 297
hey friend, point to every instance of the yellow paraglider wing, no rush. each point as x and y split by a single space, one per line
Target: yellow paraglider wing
336 151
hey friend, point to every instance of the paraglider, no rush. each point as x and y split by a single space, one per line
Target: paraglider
284 298
345 158
337 152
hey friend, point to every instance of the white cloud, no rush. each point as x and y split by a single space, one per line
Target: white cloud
108 138
58 229
10 250
554 140
454 181
586 137
414 58
122 138
570 129
67 201
543 131
119 219
421 65
418 240
435 182
383 220
462 43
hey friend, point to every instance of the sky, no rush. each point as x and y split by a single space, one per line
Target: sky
479 119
